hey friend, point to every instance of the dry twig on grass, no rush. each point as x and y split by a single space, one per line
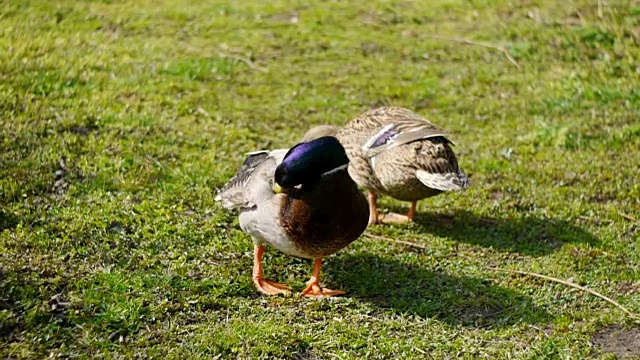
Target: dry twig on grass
545 277
595 220
384 238
244 60
600 9
628 217
224 55
502 49
570 284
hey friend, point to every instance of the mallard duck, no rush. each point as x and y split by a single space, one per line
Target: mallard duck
302 202
394 151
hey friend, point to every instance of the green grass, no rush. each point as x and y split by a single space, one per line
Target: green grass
119 119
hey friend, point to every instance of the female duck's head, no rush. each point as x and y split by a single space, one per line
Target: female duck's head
307 161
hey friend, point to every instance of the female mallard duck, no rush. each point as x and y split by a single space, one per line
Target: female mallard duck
396 152
302 202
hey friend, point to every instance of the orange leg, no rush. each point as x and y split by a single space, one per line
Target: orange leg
265 286
373 208
412 211
313 288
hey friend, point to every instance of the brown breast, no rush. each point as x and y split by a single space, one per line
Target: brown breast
324 217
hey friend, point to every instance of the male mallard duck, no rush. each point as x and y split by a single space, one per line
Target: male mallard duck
397 152
302 202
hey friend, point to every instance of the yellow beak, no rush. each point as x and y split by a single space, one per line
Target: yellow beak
277 188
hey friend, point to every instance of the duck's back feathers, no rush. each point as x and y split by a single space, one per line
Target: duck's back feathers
443 181
320 131
416 170
395 151
403 121
259 166
391 136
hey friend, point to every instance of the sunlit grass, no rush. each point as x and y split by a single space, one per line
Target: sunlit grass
119 119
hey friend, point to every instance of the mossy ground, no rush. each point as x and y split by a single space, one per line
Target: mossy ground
119 119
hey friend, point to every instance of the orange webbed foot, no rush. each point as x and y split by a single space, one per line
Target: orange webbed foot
271 288
265 286
394 218
315 290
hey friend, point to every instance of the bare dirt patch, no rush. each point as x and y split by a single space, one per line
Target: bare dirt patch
624 343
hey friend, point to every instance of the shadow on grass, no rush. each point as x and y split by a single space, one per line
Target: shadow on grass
410 289
12 319
26 301
528 235
8 221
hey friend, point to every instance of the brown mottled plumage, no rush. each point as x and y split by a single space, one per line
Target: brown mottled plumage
396 152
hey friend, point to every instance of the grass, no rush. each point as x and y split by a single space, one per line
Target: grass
119 119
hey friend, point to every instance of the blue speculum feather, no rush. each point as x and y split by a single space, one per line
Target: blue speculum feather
384 138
